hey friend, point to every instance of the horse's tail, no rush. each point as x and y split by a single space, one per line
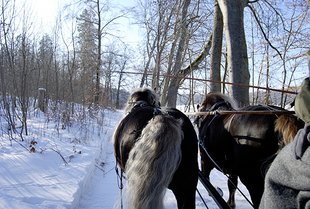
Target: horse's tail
153 161
287 126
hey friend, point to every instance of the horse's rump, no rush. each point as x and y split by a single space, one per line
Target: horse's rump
254 130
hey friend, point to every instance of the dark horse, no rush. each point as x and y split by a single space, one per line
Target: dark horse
242 145
157 149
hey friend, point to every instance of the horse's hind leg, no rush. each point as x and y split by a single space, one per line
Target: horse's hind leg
183 186
206 165
185 197
255 185
232 185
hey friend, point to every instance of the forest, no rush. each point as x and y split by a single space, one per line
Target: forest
254 50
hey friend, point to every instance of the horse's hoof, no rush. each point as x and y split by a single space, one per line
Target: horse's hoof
220 191
232 206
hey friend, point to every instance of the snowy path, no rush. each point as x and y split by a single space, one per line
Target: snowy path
102 191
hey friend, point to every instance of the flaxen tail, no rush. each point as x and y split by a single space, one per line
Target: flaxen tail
287 125
152 162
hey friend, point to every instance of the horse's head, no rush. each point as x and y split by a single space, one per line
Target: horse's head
142 96
215 102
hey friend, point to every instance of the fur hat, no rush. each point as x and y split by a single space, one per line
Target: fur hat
302 102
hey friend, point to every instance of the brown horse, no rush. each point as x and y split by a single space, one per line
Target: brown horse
242 145
156 148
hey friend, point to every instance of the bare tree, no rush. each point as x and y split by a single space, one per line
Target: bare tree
71 63
169 29
282 52
8 15
174 83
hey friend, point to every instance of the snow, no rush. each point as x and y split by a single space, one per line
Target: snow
73 167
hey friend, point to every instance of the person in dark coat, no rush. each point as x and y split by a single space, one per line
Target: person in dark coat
287 182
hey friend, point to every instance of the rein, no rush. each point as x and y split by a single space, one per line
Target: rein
201 144
120 183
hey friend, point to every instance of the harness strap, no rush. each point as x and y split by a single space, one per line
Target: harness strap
140 104
219 104
248 140
120 183
201 197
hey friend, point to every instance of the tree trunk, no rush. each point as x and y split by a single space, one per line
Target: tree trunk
216 50
163 98
174 84
147 65
232 11
42 99
99 61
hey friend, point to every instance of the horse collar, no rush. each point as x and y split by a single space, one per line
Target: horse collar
157 111
219 104
139 104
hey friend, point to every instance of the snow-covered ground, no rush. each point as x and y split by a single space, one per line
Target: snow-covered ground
71 168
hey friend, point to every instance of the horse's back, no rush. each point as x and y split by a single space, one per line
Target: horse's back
187 126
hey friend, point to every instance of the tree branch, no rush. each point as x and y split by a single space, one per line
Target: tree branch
194 65
277 13
262 30
62 157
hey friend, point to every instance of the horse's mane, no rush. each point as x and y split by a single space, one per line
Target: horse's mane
144 94
214 97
